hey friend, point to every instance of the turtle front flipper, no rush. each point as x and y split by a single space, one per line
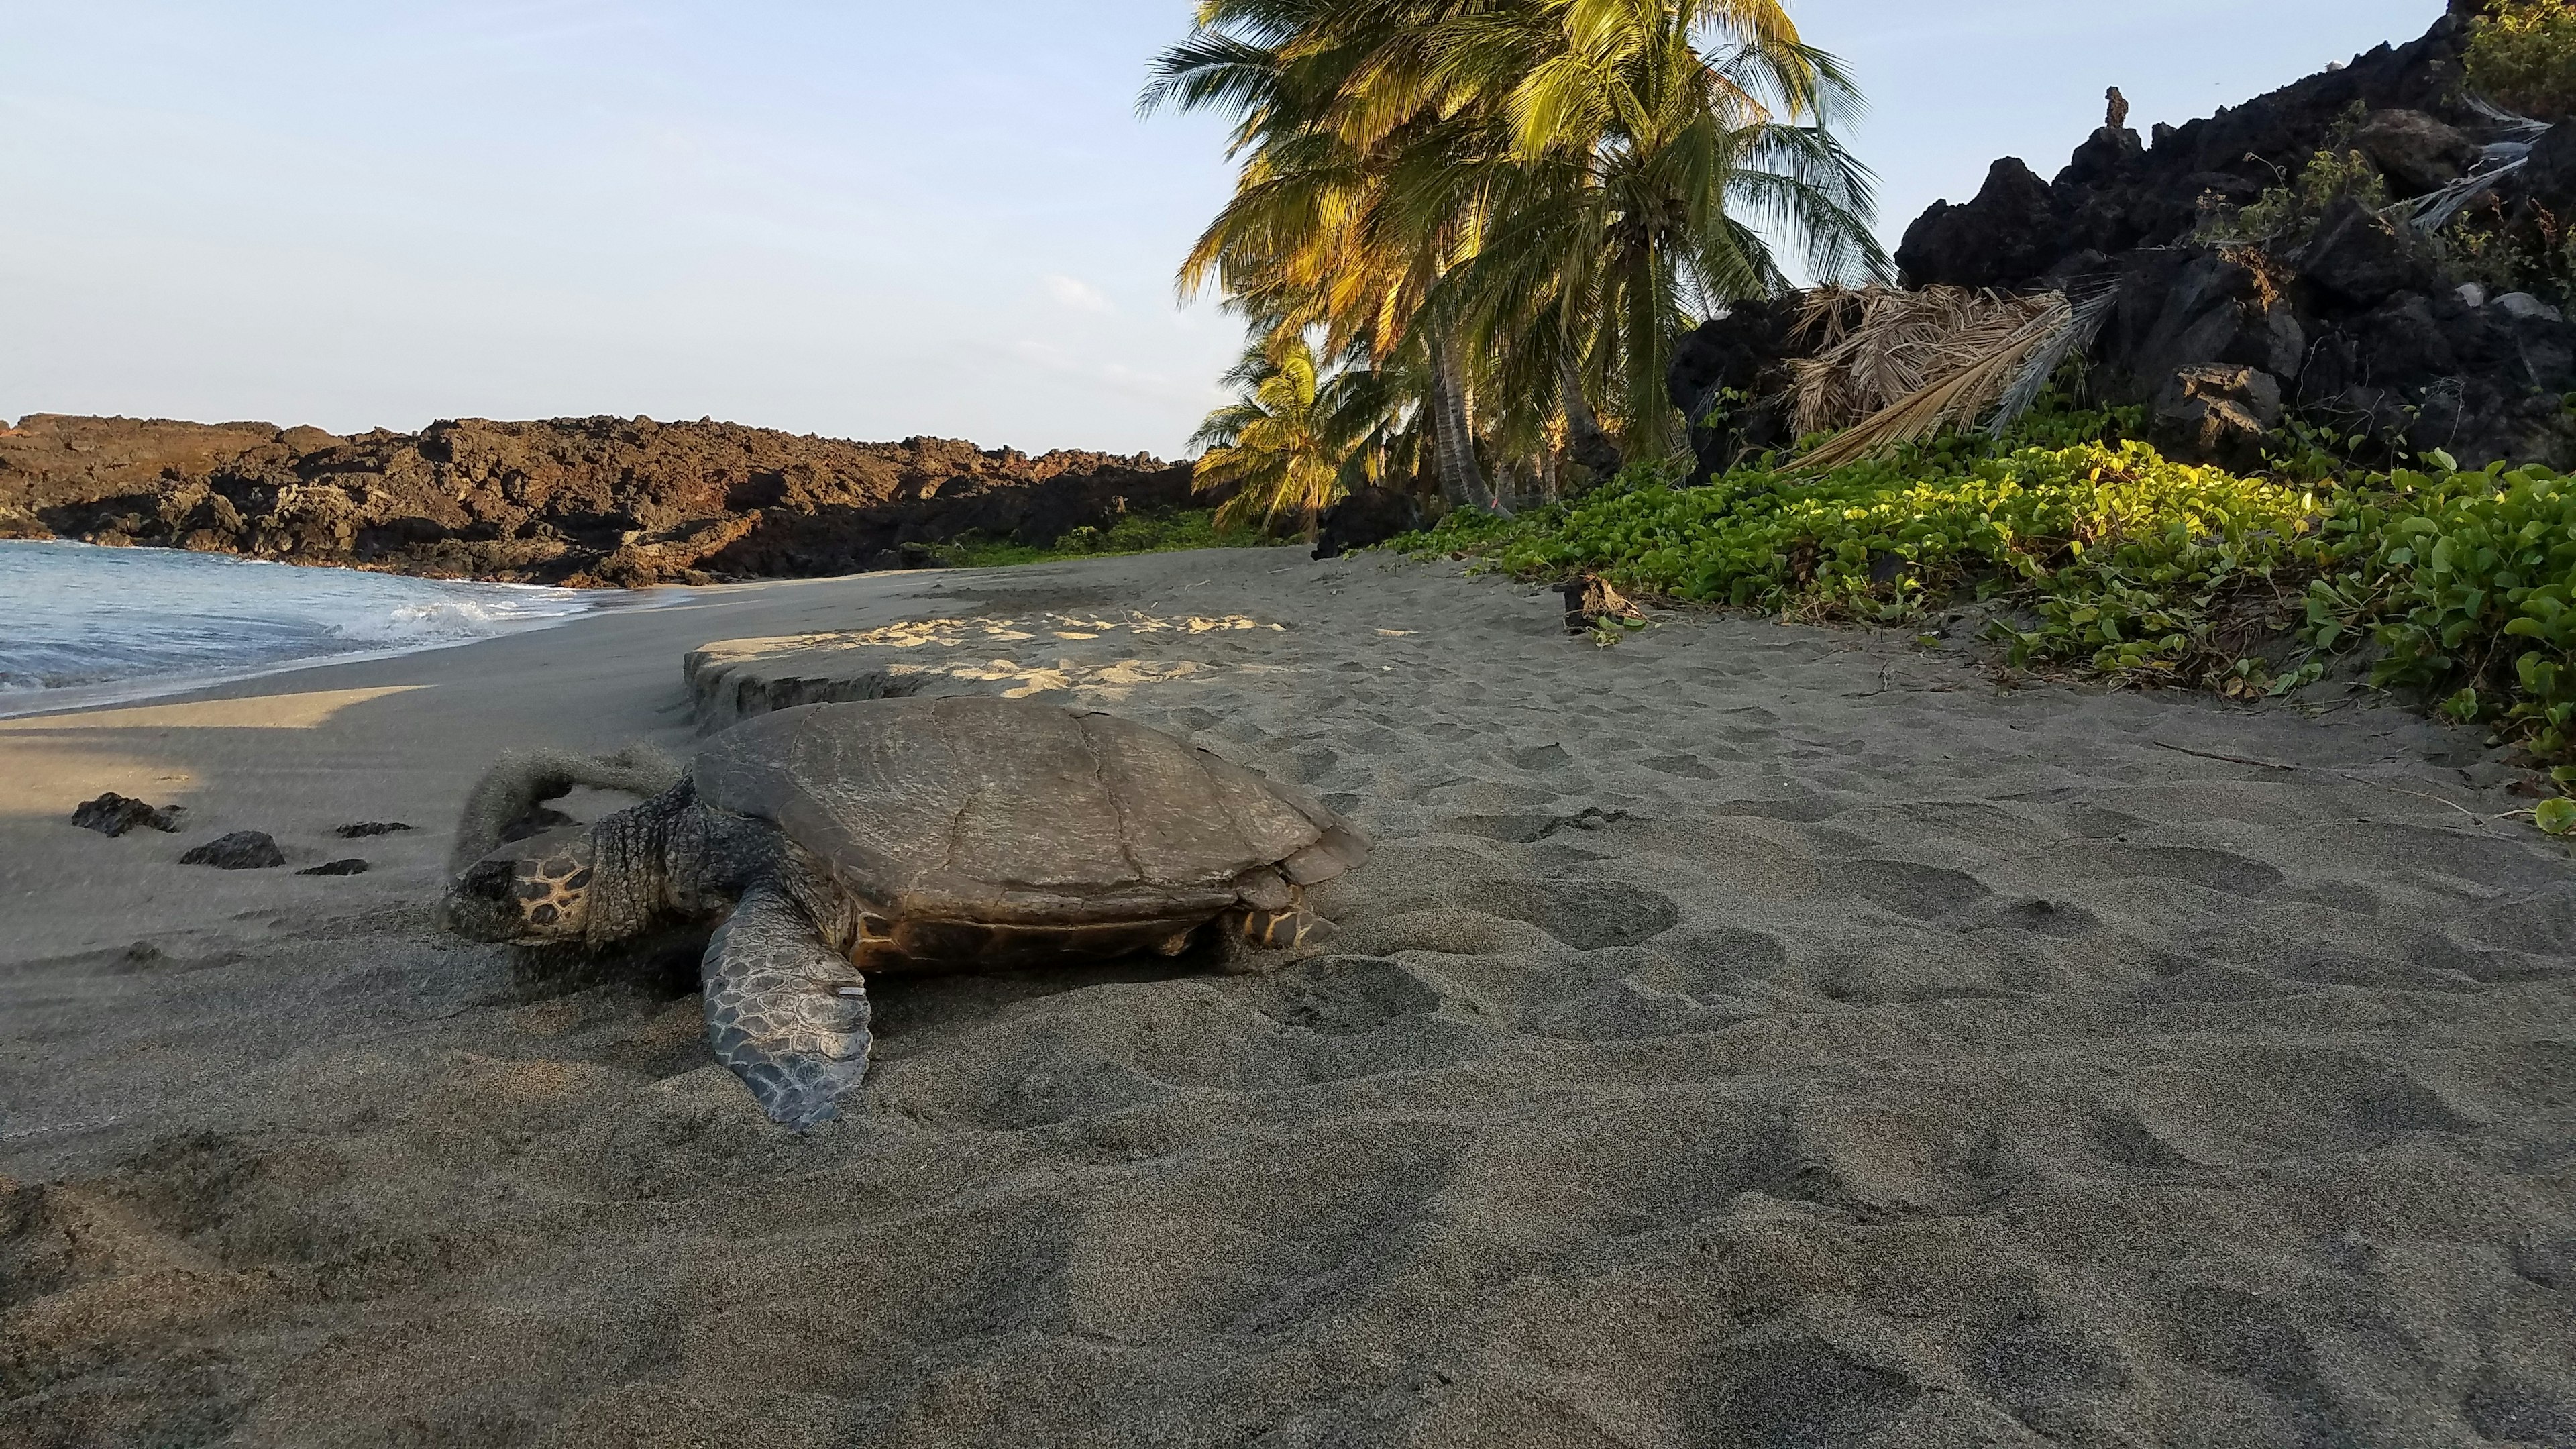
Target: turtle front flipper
786 1012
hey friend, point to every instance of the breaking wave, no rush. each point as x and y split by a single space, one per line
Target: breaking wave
83 619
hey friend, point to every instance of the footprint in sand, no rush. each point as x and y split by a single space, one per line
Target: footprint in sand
1587 915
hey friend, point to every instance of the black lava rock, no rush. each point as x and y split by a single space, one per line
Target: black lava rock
2219 412
2359 258
2550 175
1746 353
2357 321
2009 234
2182 306
371 828
1365 519
241 850
2416 152
114 814
337 867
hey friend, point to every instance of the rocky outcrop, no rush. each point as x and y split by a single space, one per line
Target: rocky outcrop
2008 234
2359 324
585 501
1730 377
2119 193
1364 519
112 815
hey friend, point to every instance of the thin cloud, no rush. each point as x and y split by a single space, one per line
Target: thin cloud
1078 295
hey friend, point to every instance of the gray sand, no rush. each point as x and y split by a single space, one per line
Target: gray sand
1748 1035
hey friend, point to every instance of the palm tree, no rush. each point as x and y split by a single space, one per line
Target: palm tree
1276 445
1615 214
1531 192
1327 98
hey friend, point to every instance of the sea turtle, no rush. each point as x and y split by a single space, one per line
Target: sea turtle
839 841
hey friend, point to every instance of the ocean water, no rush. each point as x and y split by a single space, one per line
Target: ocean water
81 624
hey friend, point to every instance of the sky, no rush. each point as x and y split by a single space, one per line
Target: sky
858 218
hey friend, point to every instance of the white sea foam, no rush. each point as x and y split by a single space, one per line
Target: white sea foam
79 622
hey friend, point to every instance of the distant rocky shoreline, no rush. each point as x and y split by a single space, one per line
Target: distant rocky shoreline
583 502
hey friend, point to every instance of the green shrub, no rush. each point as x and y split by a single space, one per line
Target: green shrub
2522 56
2118 552
1132 533
2468 581
2539 257
2287 215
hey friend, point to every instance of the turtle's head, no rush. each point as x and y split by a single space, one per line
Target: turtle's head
531 892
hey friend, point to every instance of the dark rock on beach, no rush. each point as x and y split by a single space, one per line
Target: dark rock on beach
112 814
1366 519
241 850
2358 259
370 828
2008 234
2549 177
337 867
579 501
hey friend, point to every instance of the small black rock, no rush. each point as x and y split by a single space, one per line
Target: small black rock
372 827
114 814
338 867
241 850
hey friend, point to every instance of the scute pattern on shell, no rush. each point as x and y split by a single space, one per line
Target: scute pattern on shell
1011 812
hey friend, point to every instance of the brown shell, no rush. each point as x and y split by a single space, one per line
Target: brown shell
1004 812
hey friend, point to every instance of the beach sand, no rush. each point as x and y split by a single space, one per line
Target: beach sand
1746 1035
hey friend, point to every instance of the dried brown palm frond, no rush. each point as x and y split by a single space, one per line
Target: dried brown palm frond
1977 377
1877 347
1995 354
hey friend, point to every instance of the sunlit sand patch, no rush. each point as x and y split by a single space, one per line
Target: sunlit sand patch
66 762
954 633
56 775
310 710
1097 659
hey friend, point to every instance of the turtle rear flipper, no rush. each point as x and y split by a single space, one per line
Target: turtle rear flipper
786 1012
1250 940
1283 930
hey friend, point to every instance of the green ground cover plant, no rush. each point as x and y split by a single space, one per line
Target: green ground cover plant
1163 532
2105 556
2523 56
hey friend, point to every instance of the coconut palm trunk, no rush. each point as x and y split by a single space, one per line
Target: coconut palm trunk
1453 438
1584 438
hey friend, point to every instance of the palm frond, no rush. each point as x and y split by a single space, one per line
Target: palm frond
1898 367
